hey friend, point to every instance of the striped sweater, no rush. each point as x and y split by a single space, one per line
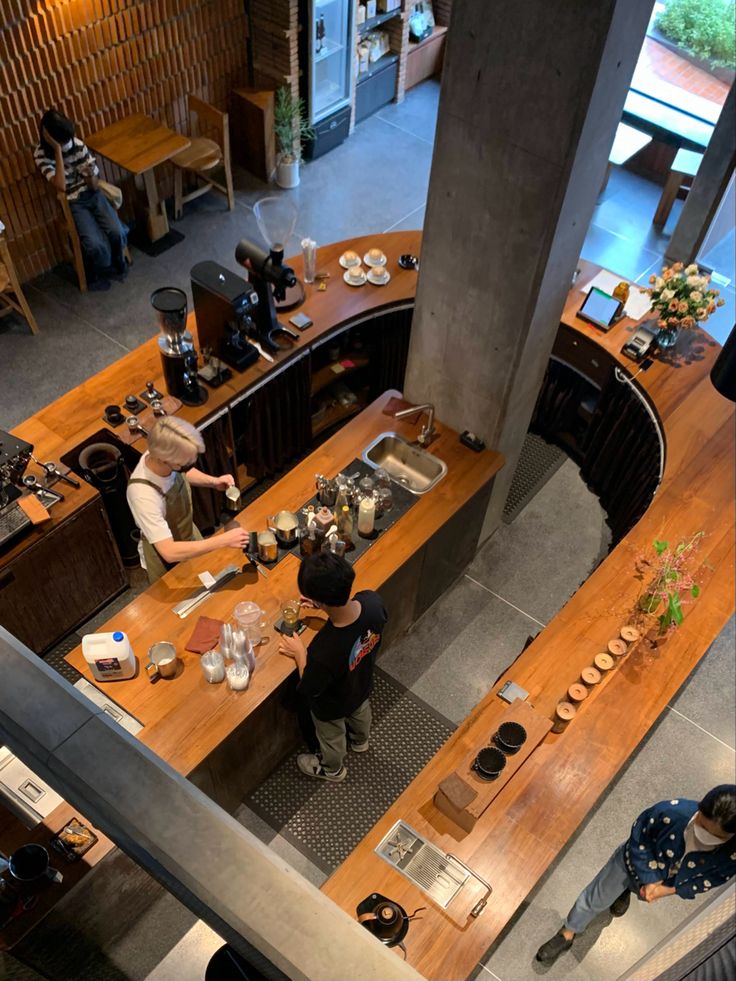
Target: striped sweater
77 161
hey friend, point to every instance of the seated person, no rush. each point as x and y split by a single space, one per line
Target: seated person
66 162
336 672
160 498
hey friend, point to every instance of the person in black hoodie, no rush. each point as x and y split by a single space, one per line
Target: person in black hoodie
336 671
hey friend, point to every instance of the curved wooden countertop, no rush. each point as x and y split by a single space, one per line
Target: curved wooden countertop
534 815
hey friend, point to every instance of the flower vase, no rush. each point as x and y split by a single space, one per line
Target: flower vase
667 337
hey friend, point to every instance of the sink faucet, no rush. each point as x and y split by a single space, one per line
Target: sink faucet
428 432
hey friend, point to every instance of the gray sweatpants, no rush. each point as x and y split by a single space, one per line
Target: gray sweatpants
332 735
612 880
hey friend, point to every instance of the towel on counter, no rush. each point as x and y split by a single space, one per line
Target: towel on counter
206 635
396 405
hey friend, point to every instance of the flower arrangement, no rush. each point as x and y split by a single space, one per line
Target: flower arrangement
670 582
681 297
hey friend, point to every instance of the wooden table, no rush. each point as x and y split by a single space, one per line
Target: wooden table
138 143
515 841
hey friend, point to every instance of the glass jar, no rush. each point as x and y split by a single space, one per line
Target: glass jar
385 500
238 675
381 477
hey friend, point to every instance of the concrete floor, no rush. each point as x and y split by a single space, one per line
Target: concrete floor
516 584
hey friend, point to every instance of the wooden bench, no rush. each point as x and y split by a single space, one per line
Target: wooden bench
684 168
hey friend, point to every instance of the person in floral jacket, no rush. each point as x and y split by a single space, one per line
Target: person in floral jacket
676 848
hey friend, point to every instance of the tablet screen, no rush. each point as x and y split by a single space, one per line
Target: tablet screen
599 308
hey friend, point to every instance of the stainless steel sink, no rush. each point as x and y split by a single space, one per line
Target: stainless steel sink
412 468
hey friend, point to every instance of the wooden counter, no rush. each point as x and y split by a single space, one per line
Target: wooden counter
534 815
185 718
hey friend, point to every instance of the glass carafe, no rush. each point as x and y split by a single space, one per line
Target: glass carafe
252 621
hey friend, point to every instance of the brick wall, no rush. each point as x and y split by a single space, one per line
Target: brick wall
98 61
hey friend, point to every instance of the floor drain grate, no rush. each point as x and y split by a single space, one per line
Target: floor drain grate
55 658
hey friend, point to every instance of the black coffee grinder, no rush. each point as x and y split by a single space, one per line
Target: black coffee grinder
225 307
176 347
270 278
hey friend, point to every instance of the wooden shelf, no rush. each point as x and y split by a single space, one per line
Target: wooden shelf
326 376
336 413
374 22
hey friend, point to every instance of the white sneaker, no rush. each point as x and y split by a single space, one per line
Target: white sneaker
311 766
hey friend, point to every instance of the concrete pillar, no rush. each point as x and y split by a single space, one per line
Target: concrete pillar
252 898
708 187
531 96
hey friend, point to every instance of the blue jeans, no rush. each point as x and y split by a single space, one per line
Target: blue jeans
612 880
101 233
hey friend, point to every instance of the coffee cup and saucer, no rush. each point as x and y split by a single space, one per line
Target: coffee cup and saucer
354 276
378 275
349 259
374 257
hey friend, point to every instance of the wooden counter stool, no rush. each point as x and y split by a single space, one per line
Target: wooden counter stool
204 155
11 293
74 247
685 165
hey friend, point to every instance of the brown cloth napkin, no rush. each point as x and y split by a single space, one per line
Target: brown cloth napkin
459 793
396 405
206 635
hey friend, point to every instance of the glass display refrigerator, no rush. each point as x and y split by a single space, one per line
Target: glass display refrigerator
327 43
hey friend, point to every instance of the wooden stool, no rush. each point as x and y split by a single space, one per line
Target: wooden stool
11 294
685 164
203 155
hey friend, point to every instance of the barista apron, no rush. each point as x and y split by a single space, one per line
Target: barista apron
179 518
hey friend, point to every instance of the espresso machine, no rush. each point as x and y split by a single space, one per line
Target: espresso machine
176 347
225 306
270 278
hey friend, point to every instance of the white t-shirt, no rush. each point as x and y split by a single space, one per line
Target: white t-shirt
148 506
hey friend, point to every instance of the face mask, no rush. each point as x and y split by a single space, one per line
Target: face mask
705 837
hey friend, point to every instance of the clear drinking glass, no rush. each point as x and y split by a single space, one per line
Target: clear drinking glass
213 667
309 255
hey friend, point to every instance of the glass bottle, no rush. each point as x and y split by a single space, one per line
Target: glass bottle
345 526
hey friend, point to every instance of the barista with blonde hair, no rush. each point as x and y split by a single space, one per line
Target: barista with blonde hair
159 495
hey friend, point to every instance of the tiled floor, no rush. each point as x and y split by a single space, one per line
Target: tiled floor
515 585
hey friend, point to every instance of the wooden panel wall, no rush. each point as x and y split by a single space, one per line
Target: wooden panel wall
275 27
97 61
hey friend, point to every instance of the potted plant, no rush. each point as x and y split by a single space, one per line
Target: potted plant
291 129
681 297
669 581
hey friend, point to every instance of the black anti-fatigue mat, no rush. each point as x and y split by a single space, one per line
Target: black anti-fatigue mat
56 658
325 821
538 462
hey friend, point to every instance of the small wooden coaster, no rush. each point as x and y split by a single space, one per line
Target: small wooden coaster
590 676
604 662
630 634
617 647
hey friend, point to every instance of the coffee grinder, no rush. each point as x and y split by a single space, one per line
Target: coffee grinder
225 306
270 278
176 347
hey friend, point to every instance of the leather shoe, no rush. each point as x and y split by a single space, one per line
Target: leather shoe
619 906
550 951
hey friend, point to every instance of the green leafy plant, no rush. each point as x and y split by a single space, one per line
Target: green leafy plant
705 28
670 582
290 126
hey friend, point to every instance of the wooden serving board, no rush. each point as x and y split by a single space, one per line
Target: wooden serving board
466 784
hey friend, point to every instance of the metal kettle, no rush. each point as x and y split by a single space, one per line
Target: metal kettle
386 919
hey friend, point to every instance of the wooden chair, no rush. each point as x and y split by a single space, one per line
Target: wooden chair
11 293
74 247
204 155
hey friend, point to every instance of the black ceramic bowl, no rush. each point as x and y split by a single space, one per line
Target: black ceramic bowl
489 763
510 737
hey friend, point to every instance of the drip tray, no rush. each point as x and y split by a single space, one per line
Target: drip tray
422 863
